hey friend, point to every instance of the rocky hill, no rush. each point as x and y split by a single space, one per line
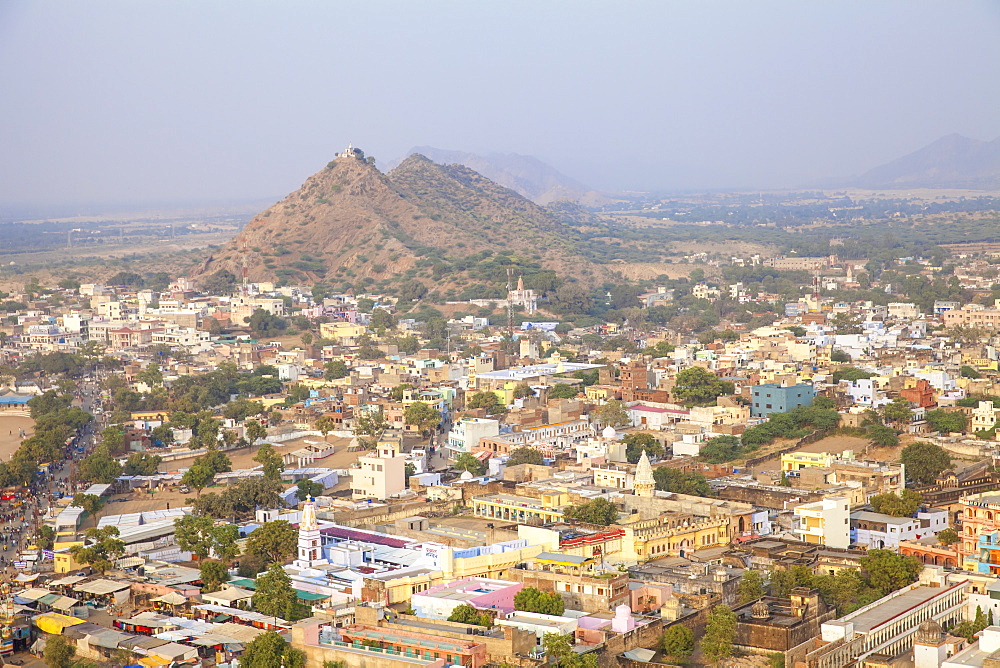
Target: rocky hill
950 162
524 174
352 224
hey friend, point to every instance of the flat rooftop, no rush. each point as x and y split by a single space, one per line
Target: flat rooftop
870 619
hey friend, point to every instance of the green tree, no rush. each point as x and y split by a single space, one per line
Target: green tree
488 401
720 449
530 599
523 390
898 411
946 421
882 436
203 538
198 477
525 455
263 324
91 503
141 463
100 548
887 571
369 427
924 461
325 425
255 431
563 391
470 463
677 642
46 537
969 372
270 462
613 414
720 631
334 369
948 537
903 505
751 587
269 650
680 482
272 542
598 511
275 596
697 386
306 488
99 467
422 416
59 652
213 575
466 614
635 444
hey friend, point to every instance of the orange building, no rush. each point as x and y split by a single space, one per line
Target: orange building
922 394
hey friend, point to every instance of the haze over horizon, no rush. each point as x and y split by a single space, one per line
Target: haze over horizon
123 102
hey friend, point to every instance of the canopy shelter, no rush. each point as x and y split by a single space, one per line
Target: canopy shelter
55 623
173 598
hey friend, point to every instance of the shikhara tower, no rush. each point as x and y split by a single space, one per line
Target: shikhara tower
310 550
644 483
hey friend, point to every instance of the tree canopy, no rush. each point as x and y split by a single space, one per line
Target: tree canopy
924 461
272 542
697 386
525 455
904 504
275 596
530 599
598 511
269 650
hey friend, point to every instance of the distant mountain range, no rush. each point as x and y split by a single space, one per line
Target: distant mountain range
351 223
524 174
950 162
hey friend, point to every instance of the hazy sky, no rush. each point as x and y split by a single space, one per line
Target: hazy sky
140 101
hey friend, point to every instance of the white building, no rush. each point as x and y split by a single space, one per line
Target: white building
465 434
825 522
378 477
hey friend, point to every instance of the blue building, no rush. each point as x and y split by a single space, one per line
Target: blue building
773 398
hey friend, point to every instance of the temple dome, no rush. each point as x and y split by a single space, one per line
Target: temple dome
929 633
760 610
609 432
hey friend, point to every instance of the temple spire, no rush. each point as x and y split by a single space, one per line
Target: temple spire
644 483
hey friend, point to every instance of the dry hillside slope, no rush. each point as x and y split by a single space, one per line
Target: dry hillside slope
351 222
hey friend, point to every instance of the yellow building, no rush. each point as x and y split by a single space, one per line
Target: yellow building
343 332
509 507
600 392
64 561
794 461
673 537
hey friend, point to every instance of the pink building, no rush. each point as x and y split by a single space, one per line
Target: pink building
484 594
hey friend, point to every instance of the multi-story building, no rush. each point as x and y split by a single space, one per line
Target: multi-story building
826 522
466 432
773 398
586 592
980 517
378 477
886 627
612 476
984 416
972 314
440 601
876 531
511 508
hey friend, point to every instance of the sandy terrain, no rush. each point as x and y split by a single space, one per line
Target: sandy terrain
832 444
12 424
